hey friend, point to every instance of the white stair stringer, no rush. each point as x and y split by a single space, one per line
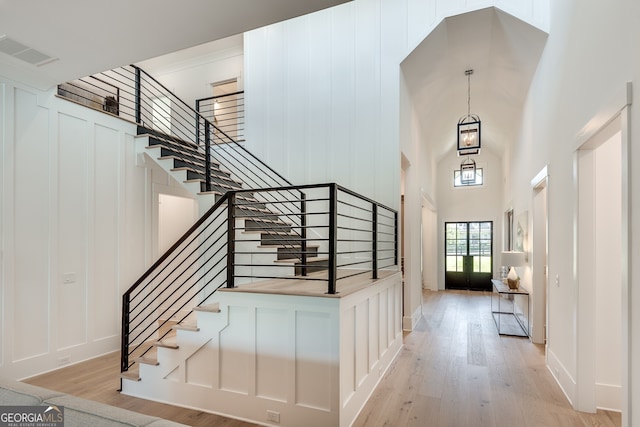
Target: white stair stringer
150 154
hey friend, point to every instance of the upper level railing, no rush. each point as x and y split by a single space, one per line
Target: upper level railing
347 235
132 94
226 112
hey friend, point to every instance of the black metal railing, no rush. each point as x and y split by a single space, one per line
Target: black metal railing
226 112
262 229
244 238
132 94
192 137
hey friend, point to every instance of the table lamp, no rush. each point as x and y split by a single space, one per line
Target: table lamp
512 259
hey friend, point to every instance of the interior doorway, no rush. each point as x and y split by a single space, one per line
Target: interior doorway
600 270
227 109
539 260
468 255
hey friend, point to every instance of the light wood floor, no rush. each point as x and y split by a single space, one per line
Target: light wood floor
454 370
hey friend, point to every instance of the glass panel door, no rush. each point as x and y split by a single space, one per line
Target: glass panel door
468 255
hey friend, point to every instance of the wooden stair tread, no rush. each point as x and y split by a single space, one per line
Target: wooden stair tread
166 344
210 308
147 360
185 327
130 375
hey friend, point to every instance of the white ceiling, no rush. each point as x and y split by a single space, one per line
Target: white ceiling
502 50
87 37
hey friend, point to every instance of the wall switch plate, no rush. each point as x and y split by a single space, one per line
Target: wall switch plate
69 278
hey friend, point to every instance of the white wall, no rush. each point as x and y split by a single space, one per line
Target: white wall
324 101
583 71
76 229
189 73
322 98
476 203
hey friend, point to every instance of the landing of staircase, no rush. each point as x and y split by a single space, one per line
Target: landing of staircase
315 284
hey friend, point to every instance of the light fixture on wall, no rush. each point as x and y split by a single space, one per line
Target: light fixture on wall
512 259
468 171
469 126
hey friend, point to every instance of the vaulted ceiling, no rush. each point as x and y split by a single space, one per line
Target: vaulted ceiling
502 50
84 37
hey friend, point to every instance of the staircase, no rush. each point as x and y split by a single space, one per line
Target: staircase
190 335
186 164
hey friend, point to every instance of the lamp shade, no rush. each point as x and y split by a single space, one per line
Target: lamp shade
512 258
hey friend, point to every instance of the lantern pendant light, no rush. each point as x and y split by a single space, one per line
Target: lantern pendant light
469 126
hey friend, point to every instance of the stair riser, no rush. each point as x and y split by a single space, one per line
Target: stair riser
215 177
177 148
251 225
186 156
199 166
268 239
289 253
313 267
203 186
247 195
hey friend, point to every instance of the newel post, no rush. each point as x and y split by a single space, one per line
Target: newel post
333 238
231 241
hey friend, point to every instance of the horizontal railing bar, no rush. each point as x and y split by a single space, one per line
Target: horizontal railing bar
179 308
357 218
306 278
361 197
386 216
364 251
187 269
174 247
363 230
343 203
183 249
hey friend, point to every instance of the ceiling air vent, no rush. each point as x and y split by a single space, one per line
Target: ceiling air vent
24 53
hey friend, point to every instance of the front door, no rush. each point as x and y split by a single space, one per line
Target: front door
468 255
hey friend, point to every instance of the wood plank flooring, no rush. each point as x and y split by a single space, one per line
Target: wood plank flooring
454 370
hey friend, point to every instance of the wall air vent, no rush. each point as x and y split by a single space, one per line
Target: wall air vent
24 53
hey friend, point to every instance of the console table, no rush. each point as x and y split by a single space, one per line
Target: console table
508 308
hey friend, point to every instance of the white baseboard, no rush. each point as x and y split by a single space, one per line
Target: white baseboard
409 322
609 397
562 376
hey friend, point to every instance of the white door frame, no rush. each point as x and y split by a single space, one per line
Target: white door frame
585 375
539 261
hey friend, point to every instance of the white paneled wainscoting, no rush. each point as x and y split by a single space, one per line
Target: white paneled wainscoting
276 359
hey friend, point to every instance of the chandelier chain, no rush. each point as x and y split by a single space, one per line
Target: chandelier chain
468 73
